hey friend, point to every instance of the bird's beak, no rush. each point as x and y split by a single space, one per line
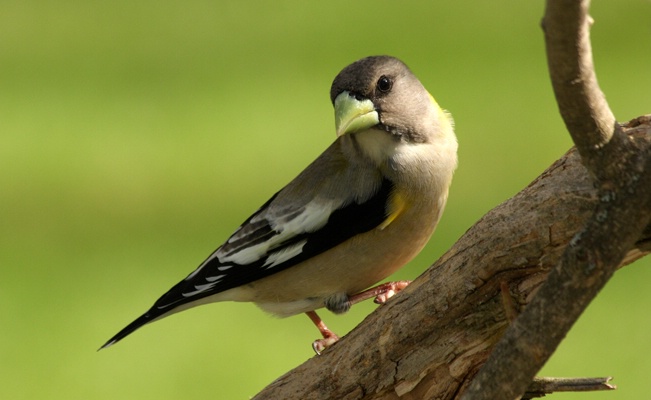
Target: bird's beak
352 115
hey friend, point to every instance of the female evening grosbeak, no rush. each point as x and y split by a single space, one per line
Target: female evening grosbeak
360 211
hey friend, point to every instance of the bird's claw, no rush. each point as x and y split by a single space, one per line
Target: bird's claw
382 298
388 290
321 344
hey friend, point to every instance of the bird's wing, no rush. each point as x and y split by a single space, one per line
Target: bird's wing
278 236
272 240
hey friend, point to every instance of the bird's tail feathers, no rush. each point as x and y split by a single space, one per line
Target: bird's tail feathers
140 321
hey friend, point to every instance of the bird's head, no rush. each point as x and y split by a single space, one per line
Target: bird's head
381 92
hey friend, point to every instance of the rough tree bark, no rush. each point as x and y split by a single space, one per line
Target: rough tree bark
621 169
543 254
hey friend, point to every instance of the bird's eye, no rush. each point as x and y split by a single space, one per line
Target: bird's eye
384 84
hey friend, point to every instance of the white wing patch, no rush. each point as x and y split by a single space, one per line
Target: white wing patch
311 219
284 254
213 280
199 289
196 271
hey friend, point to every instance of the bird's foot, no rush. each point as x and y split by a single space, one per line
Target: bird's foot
329 337
382 292
321 344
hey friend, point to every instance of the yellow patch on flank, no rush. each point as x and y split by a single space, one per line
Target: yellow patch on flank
397 205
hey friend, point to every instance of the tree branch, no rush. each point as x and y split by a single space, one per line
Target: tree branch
544 386
430 339
581 103
622 168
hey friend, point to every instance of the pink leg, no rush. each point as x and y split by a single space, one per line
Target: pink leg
329 337
382 292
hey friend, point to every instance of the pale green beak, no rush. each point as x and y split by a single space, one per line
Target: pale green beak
352 115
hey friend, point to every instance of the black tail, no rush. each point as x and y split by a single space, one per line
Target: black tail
140 321
172 301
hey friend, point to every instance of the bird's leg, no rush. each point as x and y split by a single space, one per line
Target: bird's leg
382 292
329 337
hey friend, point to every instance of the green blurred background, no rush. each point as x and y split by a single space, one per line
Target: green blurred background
135 136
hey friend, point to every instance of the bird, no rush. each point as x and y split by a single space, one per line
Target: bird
359 212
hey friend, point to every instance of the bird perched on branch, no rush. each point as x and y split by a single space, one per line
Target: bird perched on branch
364 208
